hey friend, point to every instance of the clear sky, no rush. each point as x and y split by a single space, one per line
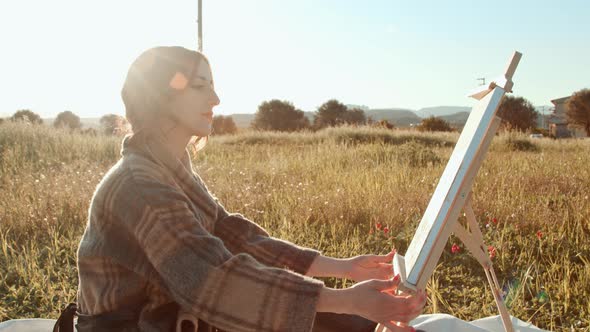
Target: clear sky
73 55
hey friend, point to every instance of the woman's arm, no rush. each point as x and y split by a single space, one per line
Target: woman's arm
324 266
241 235
359 268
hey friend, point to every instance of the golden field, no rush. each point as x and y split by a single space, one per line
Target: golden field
336 190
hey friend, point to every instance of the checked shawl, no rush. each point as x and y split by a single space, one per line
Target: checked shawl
155 236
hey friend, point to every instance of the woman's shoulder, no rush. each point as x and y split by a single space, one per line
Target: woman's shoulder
133 177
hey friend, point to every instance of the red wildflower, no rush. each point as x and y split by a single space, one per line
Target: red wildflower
455 248
385 230
539 234
495 221
492 251
378 225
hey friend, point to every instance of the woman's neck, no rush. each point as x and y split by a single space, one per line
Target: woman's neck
175 138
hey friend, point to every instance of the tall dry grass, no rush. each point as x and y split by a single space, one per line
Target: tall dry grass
326 190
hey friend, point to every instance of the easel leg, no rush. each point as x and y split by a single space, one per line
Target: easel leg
473 241
496 291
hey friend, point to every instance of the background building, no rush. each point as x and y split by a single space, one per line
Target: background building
558 124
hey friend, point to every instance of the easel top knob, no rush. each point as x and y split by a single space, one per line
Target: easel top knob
512 64
504 82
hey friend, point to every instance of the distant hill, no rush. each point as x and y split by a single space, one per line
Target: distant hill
401 117
242 120
456 119
441 111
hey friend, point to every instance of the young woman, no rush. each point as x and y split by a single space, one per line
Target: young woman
159 248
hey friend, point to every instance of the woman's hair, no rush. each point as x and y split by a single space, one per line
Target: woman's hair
152 80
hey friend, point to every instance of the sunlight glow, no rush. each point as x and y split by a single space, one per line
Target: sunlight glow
387 54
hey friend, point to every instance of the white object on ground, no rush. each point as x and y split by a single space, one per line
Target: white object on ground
444 322
27 325
432 322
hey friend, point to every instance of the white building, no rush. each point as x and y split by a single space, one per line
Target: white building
558 125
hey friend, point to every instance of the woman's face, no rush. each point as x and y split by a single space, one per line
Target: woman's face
193 106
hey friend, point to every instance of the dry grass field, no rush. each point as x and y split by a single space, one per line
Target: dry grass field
344 191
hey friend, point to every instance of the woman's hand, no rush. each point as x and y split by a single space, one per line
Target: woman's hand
367 267
373 300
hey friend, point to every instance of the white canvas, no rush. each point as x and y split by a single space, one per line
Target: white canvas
447 201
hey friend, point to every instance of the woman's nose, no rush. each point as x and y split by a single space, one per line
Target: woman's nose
214 100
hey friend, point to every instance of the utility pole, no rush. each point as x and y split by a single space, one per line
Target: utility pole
482 79
543 117
200 26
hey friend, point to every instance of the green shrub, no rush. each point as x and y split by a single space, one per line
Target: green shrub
433 123
414 154
520 144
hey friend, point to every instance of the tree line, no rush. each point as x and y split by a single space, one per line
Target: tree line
110 124
517 114
279 115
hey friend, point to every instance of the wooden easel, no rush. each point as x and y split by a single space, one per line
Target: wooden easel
473 238
453 194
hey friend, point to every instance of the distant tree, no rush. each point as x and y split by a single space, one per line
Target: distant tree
578 110
355 116
279 115
218 125
223 125
517 113
67 119
434 123
330 114
113 124
26 115
229 126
